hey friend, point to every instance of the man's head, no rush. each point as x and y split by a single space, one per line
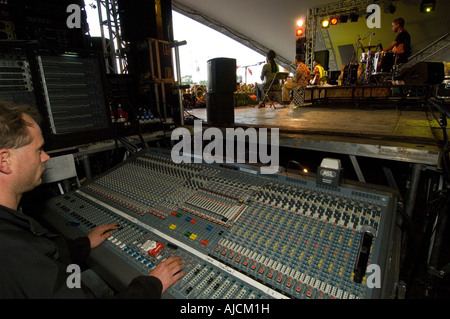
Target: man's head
298 59
21 155
398 25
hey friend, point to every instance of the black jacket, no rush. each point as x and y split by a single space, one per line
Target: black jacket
33 262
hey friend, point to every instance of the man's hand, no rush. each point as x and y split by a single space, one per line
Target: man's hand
169 272
99 234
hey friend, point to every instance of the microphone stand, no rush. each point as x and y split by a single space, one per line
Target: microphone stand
246 68
355 53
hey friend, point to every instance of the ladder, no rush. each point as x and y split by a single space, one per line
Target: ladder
332 62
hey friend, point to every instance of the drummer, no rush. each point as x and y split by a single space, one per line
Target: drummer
402 43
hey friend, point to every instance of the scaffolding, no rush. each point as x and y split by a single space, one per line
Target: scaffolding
113 47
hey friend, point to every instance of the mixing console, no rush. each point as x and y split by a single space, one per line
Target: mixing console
240 234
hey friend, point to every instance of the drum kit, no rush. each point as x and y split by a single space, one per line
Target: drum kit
374 66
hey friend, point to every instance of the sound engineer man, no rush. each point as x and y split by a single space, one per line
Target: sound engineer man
33 261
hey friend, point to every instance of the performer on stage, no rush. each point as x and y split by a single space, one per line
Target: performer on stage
299 79
402 43
268 72
318 72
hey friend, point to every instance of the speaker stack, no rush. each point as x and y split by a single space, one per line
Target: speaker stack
221 88
424 73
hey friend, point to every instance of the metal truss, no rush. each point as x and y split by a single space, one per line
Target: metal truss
113 46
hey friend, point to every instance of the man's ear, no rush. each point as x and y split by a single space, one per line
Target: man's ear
5 161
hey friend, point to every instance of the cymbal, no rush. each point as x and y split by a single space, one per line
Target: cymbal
370 47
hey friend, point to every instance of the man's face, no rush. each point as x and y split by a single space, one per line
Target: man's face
394 27
28 161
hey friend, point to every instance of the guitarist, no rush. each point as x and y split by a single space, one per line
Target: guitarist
402 43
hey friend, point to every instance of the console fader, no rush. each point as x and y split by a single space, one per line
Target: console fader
240 234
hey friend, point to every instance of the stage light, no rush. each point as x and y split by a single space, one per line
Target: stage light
334 21
354 17
325 23
300 47
390 9
300 32
343 19
427 6
300 22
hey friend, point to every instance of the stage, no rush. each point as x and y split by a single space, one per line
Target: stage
412 136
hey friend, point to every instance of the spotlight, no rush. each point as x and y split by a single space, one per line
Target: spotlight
300 22
325 23
390 9
427 6
299 32
354 17
343 19
334 21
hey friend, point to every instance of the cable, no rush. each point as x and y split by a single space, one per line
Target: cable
303 168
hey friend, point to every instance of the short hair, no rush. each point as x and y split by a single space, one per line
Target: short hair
298 57
13 127
400 22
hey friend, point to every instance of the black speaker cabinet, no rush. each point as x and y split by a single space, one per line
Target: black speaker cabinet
221 74
323 57
220 108
424 73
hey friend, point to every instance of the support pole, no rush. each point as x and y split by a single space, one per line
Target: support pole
176 45
414 185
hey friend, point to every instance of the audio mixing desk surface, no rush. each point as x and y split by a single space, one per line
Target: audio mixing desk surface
240 234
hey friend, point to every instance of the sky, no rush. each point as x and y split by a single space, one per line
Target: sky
203 44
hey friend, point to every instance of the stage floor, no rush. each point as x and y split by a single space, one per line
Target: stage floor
406 135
